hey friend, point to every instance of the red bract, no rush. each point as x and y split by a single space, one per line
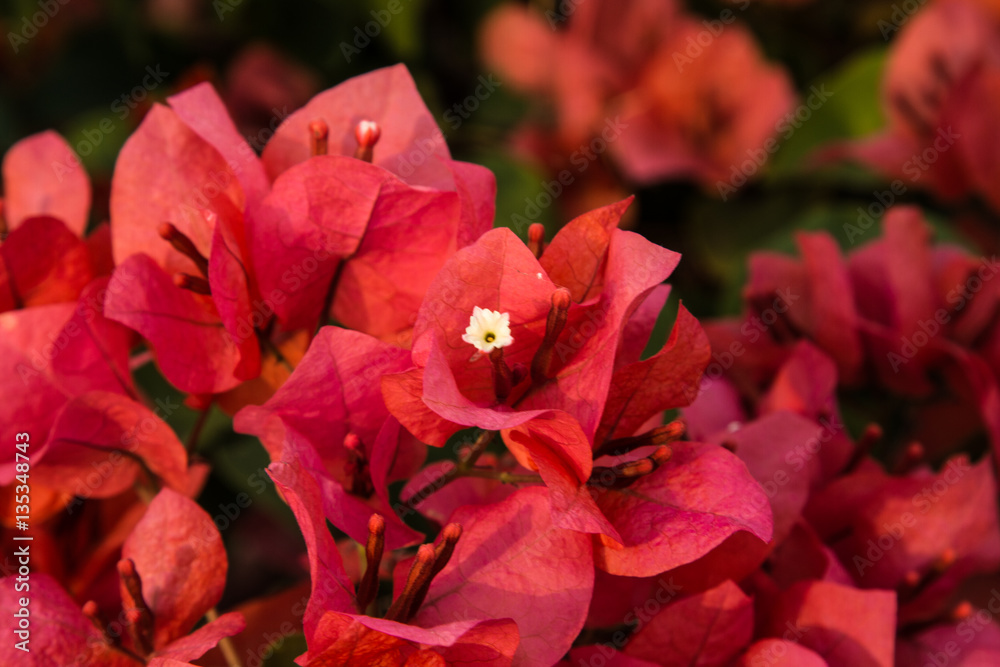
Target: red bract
513 561
42 176
333 207
332 405
846 626
114 436
43 262
707 629
352 639
53 354
59 632
680 512
178 555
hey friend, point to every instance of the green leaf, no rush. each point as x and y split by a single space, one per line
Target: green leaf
852 109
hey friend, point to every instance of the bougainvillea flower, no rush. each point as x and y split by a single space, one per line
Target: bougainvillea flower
43 262
554 393
172 571
42 176
546 575
703 117
943 67
921 534
919 313
679 108
500 273
52 354
331 405
334 623
221 253
564 340
333 207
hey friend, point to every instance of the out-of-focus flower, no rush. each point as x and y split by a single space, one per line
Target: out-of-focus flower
942 82
682 109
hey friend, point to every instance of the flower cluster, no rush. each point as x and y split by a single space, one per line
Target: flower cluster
489 451
520 362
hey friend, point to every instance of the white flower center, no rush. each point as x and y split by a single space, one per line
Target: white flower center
488 330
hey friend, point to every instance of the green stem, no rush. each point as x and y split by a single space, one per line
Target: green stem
461 469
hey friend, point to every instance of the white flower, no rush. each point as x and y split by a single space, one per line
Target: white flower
488 330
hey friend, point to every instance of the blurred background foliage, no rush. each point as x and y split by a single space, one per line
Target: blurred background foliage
73 74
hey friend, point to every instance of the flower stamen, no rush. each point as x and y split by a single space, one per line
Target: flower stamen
367 133
488 330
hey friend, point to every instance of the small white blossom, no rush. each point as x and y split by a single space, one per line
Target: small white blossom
488 330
